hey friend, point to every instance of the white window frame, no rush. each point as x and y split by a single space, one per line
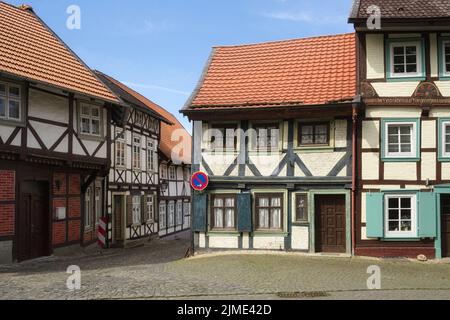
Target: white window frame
443 139
88 208
443 59
420 67
90 118
152 160
137 152
172 173
399 154
162 215
171 214
414 227
150 200
8 98
121 148
136 210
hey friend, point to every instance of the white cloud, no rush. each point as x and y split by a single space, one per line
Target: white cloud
155 87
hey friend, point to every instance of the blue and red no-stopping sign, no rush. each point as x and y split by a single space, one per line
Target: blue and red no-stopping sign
199 181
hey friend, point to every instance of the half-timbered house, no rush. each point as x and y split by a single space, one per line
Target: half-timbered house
403 206
133 186
54 140
273 127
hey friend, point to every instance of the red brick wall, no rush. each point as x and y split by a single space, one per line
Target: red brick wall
74 207
59 184
7 202
74 184
7 185
7 219
74 230
59 233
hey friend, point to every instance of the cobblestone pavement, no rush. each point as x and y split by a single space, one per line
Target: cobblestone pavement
159 271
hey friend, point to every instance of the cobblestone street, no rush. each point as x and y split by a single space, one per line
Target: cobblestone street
159 271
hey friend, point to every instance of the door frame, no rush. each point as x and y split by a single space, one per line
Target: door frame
312 217
440 190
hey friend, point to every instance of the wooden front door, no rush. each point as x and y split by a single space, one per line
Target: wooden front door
118 218
330 223
33 222
445 225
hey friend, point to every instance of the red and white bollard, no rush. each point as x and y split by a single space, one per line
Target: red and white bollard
102 232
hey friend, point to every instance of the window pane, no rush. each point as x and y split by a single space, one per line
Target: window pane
392 130
85 110
393 226
399 50
218 220
393 148
405 139
399 69
14 109
264 218
447 66
2 108
411 50
263 202
411 68
406 148
85 125
307 135
393 138
393 203
229 218
2 89
14 92
276 202
405 129
447 49
229 202
276 219
447 129
218 202
399 60
406 226
412 59
447 148
406 214
95 127
302 208
95 112
393 215
406 203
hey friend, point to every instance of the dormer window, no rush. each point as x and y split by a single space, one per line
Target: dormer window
10 101
405 59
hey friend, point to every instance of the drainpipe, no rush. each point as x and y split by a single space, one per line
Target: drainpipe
355 109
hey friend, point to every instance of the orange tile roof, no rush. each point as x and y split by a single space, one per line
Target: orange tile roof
310 71
167 129
29 49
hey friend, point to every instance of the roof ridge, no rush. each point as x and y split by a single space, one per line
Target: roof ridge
286 40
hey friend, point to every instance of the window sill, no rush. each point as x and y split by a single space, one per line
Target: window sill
300 224
405 79
313 149
411 239
412 159
444 159
83 136
280 233
13 123
224 233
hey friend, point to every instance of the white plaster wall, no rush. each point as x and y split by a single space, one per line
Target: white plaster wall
223 242
371 134
400 171
395 89
6 131
428 165
300 238
47 106
270 243
444 87
429 134
340 135
393 112
245 240
320 164
218 163
370 166
49 134
201 240
375 56
266 164
440 112
446 170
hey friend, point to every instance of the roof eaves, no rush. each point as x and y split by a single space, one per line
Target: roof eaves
194 94
76 56
354 11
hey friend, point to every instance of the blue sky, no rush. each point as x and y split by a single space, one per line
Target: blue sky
159 47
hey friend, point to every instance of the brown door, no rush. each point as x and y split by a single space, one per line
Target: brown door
33 224
118 218
445 224
330 223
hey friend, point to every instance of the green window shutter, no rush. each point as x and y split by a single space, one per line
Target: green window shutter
244 212
199 214
427 215
375 215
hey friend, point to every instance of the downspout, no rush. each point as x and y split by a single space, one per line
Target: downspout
355 109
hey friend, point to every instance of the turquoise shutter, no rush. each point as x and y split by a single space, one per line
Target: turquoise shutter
199 214
244 212
375 215
427 215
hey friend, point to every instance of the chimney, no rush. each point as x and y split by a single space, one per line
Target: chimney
26 7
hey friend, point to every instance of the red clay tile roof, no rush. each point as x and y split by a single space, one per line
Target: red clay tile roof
29 49
399 9
311 71
167 129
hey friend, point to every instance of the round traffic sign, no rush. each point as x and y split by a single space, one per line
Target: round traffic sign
199 181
